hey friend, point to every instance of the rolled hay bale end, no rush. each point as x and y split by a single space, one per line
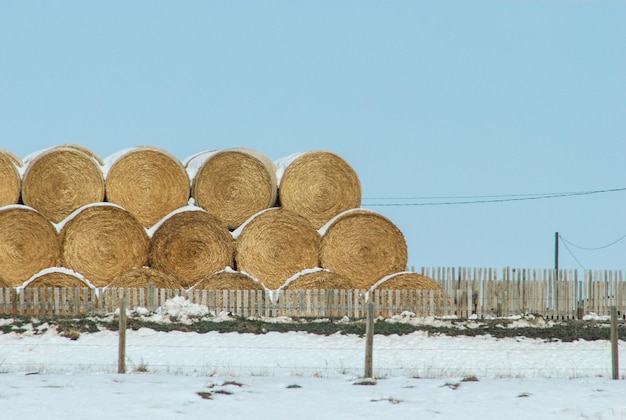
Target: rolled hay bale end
29 243
228 280
81 297
406 280
317 278
101 241
363 246
10 178
294 290
190 244
233 184
62 179
140 277
406 288
318 185
148 182
275 244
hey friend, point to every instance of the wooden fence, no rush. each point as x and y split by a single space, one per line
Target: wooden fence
467 292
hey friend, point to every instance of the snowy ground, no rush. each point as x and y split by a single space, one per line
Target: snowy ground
298 375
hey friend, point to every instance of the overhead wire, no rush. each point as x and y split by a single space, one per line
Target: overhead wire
480 199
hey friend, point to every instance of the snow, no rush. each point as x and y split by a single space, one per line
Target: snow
299 375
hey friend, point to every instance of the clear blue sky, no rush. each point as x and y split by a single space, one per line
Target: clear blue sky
422 98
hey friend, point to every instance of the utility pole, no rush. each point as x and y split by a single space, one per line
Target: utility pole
556 255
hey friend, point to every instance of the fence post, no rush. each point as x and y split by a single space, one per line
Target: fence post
151 298
614 352
369 340
121 359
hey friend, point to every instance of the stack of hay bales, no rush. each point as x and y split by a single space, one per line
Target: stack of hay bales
221 219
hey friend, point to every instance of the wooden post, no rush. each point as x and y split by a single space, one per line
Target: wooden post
369 340
121 360
151 298
614 352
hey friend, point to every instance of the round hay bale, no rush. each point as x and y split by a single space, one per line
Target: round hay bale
318 185
148 182
57 277
228 280
60 277
190 244
233 184
275 244
363 246
102 241
86 151
28 244
4 284
13 158
407 280
317 279
11 184
139 277
60 180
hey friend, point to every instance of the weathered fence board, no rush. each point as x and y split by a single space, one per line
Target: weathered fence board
478 292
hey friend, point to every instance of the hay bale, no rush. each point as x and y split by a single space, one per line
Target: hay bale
57 277
102 241
363 246
62 179
139 277
317 185
228 279
317 279
190 244
13 158
232 184
275 244
406 280
4 284
148 182
11 181
86 151
28 243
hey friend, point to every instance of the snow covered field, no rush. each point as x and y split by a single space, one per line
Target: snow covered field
298 375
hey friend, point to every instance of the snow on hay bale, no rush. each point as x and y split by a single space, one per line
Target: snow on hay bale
232 184
11 184
363 246
59 180
190 244
147 181
57 277
317 185
317 278
275 244
101 241
28 243
139 277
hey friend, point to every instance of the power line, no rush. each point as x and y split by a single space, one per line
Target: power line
478 199
592 248
572 254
